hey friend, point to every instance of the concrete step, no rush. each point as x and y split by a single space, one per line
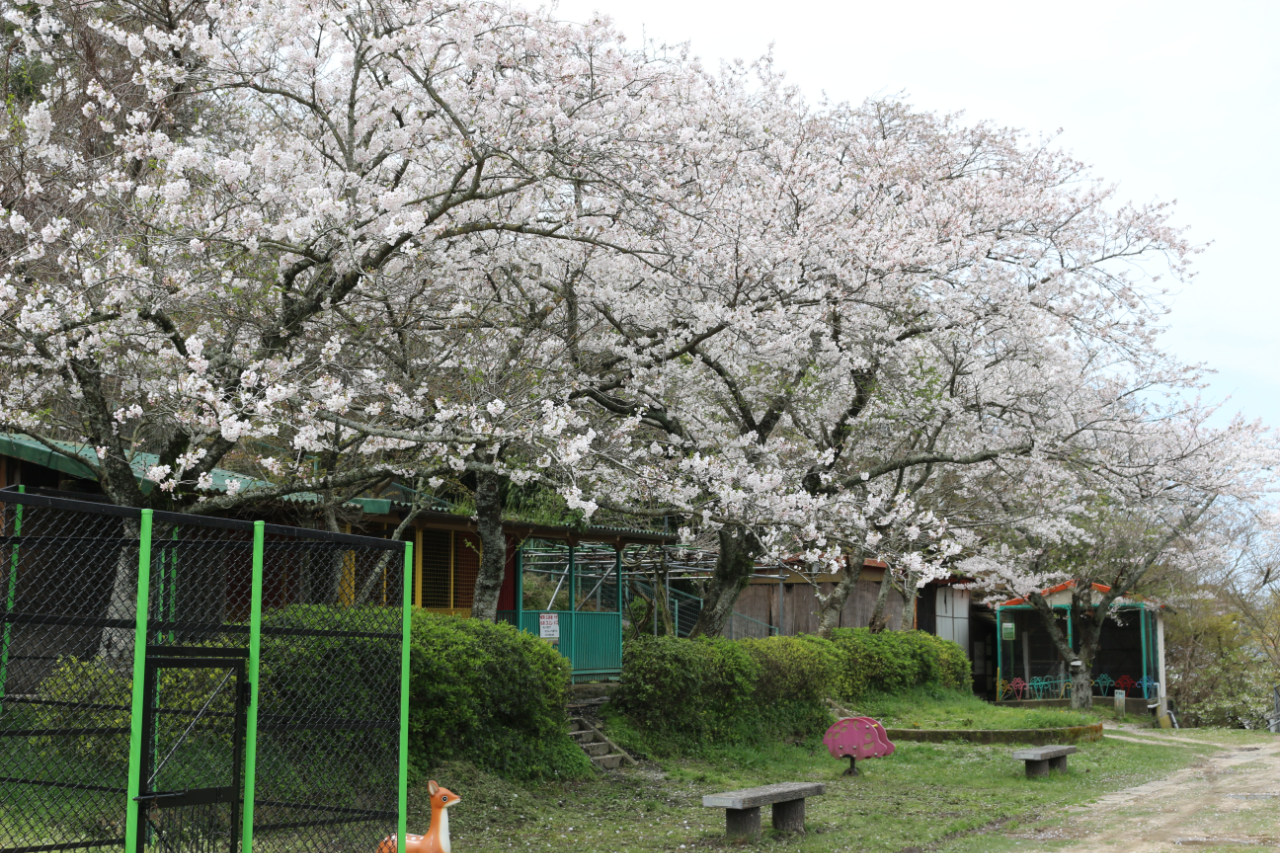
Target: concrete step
596 745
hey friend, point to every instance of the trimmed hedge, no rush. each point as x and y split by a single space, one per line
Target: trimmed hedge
680 694
893 661
491 695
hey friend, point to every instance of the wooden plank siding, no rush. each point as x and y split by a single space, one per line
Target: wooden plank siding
760 601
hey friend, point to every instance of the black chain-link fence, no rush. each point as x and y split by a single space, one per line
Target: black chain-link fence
177 758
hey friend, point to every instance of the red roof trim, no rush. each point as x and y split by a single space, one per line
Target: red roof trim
1014 602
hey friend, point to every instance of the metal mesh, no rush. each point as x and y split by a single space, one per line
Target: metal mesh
329 712
66 657
326 757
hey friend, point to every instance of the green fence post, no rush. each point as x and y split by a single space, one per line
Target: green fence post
255 660
134 789
402 807
11 598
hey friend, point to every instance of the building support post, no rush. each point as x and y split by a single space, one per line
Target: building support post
1162 691
999 655
519 584
573 606
617 595
782 603
1142 631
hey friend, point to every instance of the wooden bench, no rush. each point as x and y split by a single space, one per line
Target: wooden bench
1042 759
742 808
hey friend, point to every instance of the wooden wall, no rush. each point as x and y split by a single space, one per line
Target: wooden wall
760 601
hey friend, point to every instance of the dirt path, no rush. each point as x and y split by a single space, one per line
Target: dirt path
1228 801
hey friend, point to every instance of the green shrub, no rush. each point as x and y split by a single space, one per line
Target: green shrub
94 696
686 693
683 694
336 678
894 661
491 695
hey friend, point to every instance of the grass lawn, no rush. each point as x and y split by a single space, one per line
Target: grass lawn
924 796
946 709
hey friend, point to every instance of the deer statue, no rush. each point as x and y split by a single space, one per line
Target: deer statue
437 838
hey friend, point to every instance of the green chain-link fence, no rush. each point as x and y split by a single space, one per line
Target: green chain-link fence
172 683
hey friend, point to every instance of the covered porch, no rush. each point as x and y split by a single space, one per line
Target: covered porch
1130 658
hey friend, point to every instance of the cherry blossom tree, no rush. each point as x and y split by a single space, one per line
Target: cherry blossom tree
264 227
1143 500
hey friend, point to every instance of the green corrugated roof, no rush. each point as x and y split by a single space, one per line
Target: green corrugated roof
67 459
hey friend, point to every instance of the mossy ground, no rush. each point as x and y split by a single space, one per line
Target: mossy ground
933 708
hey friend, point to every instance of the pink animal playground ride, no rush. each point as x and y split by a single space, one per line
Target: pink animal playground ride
857 737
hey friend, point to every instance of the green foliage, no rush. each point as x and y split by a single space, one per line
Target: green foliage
679 694
893 661
686 692
104 693
334 675
1219 676
490 695
797 676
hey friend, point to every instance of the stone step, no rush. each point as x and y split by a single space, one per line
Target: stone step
607 762
584 736
595 749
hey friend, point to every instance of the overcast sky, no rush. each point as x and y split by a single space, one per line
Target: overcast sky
1170 99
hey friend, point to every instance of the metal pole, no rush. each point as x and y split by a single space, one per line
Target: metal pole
573 606
11 599
999 653
132 842
617 595
402 799
666 598
520 587
255 661
1142 631
782 603
1162 691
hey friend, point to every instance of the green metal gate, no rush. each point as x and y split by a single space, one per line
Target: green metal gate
179 684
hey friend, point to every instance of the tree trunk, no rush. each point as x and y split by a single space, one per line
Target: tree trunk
493 548
829 612
1082 685
1090 619
337 559
735 566
909 595
878 620
117 643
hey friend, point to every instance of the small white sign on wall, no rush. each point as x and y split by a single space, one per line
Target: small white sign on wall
549 626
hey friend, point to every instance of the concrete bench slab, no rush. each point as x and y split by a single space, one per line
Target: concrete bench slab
742 808
1041 759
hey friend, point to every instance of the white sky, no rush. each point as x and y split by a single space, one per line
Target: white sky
1170 99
